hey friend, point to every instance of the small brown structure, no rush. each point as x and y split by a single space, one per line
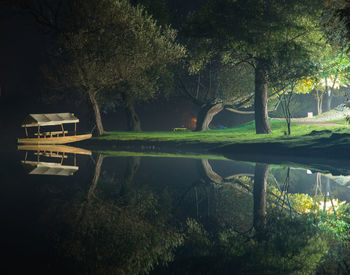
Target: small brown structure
51 137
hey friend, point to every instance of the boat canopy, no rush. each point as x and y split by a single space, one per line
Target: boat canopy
49 168
33 120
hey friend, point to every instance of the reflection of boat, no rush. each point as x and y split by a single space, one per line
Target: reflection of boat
55 148
59 152
51 137
49 168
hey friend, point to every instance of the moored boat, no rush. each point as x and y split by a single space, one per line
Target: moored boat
60 136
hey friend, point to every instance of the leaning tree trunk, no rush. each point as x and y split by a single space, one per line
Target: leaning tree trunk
207 173
96 112
260 101
133 119
206 115
259 193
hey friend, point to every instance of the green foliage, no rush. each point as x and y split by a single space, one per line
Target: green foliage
111 46
331 72
277 33
157 8
291 245
337 224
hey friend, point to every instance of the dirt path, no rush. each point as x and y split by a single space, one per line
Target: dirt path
319 123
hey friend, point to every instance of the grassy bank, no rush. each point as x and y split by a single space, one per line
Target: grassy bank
312 146
243 134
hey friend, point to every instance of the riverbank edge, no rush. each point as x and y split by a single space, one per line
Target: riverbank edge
337 147
323 153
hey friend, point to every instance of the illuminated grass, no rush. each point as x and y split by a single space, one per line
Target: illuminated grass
242 134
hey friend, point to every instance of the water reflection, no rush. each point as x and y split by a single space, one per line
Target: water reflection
139 215
56 154
115 227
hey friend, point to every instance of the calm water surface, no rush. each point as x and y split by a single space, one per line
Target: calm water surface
168 215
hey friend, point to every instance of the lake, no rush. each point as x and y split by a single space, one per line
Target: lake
158 213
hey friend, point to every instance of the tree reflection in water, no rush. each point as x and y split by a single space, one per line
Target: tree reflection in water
289 233
126 233
219 225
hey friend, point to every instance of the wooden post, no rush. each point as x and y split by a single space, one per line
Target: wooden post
62 130
25 129
75 159
75 129
62 158
25 157
39 131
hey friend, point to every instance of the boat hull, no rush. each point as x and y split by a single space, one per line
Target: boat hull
54 140
54 148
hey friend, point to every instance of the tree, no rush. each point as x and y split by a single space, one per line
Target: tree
215 87
330 73
111 46
260 32
113 227
260 181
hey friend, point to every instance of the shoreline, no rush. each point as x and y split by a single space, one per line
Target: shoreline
327 154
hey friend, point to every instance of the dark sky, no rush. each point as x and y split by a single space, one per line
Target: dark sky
21 53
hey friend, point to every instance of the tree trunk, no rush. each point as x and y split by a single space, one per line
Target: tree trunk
96 112
260 101
206 115
131 169
82 214
259 193
319 99
96 176
133 119
207 173
133 165
329 100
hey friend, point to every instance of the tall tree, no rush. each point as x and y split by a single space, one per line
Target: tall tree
107 46
260 32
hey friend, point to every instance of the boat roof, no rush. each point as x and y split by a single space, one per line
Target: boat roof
33 120
49 168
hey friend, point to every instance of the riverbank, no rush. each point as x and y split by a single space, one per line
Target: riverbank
323 148
301 134
332 142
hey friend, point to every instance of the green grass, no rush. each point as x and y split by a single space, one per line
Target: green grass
244 133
